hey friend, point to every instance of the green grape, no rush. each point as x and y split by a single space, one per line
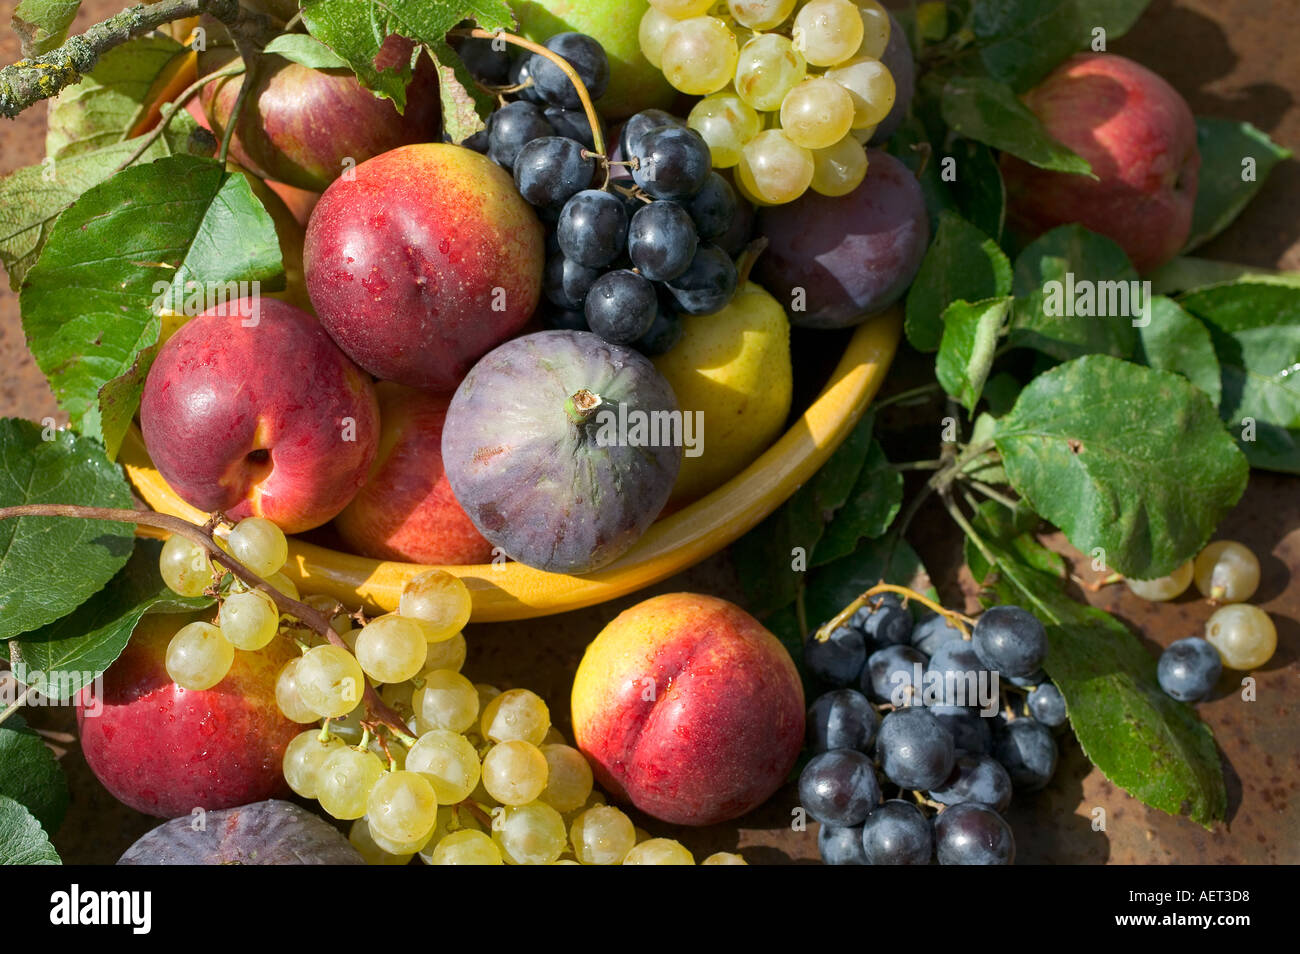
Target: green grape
1243 634
391 649
773 169
400 848
283 584
447 701
328 607
726 122
653 34
446 654
398 695
699 56
817 113
681 9
361 839
330 680
258 544
440 600
1165 587
348 727
448 761
839 169
184 566
554 736
531 834
199 656
402 807
875 35
659 851
864 135
1227 572
761 14
767 68
451 819
249 620
486 694
827 32
394 758
345 779
724 858
516 714
568 778
304 758
602 836
515 772
466 847
870 86
287 697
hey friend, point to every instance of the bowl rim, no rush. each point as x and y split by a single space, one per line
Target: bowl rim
512 591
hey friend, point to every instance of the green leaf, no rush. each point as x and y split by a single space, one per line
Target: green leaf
1236 158
22 840
1012 530
1076 294
42 25
1255 328
119 399
834 586
464 103
1116 17
978 190
31 198
143 240
1145 742
871 507
1021 41
1175 341
984 109
307 51
69 653
359 31
30 774
982 430
112 98
970 337
1122 457
961 263
51 565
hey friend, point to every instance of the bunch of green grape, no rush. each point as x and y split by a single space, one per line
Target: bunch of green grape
200 655
792 91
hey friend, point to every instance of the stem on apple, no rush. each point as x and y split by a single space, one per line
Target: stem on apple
588 107
288 606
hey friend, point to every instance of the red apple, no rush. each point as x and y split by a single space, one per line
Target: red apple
689 709
422 262
406 510
306 127
1139 136
165 750
251 409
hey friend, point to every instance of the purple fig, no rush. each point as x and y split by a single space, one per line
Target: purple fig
563 448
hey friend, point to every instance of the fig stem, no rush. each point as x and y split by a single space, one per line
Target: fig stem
581 405
597 137
203 537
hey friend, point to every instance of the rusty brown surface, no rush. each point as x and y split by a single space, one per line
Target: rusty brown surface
1232 58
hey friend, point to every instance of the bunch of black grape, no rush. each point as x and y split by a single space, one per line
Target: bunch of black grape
630 248
933 738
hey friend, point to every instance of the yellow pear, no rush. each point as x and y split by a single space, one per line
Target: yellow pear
734 368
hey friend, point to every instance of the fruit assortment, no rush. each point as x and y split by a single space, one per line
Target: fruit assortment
531 304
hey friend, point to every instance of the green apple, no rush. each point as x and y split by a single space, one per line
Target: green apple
634 84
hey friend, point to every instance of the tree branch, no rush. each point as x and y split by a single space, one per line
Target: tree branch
288 606
31 80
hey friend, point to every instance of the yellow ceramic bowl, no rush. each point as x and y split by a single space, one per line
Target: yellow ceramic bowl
505 591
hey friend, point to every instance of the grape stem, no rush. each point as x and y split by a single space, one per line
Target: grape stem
959 620
597 138
202 536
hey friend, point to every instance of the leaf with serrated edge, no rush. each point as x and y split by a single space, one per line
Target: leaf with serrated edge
83 644
1256 333
30 774
970 336
1174 340
51 565
22 840
1122 457
91 304
306 51
1080 264
463 104
961 263
1145 742
983 109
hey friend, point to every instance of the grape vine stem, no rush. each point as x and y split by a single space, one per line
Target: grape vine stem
959 620
202 536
